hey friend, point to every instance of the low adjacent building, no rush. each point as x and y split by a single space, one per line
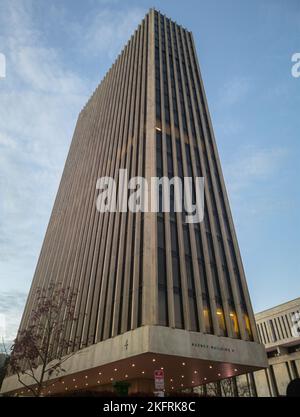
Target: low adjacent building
279 331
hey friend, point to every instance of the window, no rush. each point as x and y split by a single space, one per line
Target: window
162 279
163 307
178 309
221 320
206 315
247 325
215 281
198 244
203 280
193 313
176 272
191 294
273 333
160 233
174 241
210 247
186 238
234 322
162 288
159 160
228 285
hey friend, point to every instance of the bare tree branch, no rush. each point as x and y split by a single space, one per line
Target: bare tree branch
36 347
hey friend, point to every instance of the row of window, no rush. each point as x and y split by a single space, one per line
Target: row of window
172 96
176 273
277 328
133 165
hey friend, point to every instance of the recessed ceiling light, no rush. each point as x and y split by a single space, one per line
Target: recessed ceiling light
195 372
172 387
62 382
162 368
182 385
86 377
126 376
219 374
98 382
182 376
183 363
86 384
153 360
210 366
111 379
205 379
75 386
115 369
143 372
100 373
133 365
74 379
235 370
171 380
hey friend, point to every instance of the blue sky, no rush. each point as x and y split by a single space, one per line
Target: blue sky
58 51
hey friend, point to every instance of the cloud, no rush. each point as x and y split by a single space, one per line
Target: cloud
254 180
109 29
39 102
251 165
232 126
8 142
234 91
40 99
11 309
40 67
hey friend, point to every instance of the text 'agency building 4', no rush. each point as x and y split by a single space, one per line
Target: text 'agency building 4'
153 291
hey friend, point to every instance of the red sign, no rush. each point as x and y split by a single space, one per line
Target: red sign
159 379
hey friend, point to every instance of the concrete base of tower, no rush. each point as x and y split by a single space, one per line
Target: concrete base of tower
188 359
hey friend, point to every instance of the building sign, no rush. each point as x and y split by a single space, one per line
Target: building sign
213 347
159 380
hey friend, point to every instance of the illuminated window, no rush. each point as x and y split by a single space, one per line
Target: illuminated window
206 316
234 323
221 321
207 322
248 326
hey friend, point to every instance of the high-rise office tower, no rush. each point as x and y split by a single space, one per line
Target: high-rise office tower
153 291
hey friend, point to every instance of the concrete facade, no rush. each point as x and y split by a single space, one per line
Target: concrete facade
188 359
174 289
279 330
